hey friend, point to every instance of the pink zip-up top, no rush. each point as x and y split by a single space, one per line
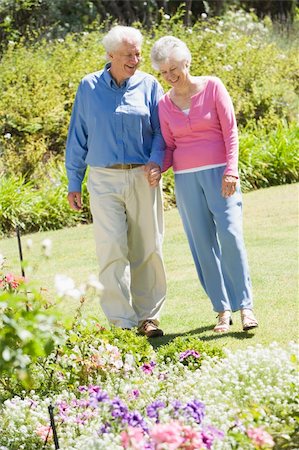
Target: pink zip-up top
206 137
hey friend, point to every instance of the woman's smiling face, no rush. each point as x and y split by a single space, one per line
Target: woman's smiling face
174 72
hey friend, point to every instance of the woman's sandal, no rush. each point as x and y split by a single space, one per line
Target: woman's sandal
224 321
248 320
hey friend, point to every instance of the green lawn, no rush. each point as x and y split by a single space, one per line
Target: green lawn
271 234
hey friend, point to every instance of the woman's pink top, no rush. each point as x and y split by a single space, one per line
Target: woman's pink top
207 136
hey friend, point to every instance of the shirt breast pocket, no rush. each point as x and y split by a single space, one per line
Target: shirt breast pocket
135 116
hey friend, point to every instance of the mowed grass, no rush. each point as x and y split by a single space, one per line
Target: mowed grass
271 235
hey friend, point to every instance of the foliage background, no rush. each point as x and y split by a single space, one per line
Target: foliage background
38 82
57 18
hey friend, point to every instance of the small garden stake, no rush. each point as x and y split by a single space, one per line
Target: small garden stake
53 426
20 250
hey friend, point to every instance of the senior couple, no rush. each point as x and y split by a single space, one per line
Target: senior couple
128 133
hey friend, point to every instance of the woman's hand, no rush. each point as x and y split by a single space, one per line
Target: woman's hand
229 183
152 173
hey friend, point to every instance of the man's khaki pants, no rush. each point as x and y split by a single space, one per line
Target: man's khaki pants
128 226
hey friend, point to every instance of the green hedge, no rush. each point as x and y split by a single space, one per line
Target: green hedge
38 83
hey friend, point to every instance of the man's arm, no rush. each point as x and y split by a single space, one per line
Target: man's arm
76 150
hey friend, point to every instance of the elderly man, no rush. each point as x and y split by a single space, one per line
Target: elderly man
115 130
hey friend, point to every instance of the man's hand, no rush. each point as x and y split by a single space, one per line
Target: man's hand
229 183
74 199
152 173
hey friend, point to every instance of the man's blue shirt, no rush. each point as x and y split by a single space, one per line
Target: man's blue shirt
113 125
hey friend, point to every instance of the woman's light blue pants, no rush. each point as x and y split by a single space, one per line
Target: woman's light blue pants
213 225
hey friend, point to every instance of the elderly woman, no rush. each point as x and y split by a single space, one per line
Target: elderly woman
199 127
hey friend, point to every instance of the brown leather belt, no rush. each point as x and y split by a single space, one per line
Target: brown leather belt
125 166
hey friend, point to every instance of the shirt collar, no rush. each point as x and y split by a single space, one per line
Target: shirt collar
110 81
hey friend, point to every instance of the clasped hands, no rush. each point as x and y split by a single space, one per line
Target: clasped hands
152 173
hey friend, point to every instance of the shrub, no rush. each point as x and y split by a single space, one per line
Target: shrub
269 158
38 84
188 350
38 206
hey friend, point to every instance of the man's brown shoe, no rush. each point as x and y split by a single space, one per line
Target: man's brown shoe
149 328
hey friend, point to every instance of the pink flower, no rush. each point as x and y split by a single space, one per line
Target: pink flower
148 367
45 432
260 437
11 282
9 277
192 439
167 434
133 438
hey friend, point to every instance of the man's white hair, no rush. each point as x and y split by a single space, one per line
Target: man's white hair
120 34
169 47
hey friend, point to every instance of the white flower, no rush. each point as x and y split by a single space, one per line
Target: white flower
234 35
29 243
65 287
204 15
7 135
2 261
166 16
6 354
220 45
208 30
228 68
47 247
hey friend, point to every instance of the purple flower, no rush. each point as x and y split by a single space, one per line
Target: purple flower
82 389
209 434
135 419
187 353
119 409
105 428
195 409
135 393
98 397
153 409
177 405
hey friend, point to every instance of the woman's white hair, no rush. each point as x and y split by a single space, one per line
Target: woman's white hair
169 47
119 34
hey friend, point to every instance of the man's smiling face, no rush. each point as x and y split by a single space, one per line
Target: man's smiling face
124 61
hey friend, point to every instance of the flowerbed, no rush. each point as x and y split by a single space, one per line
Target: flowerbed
110 390
245 400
